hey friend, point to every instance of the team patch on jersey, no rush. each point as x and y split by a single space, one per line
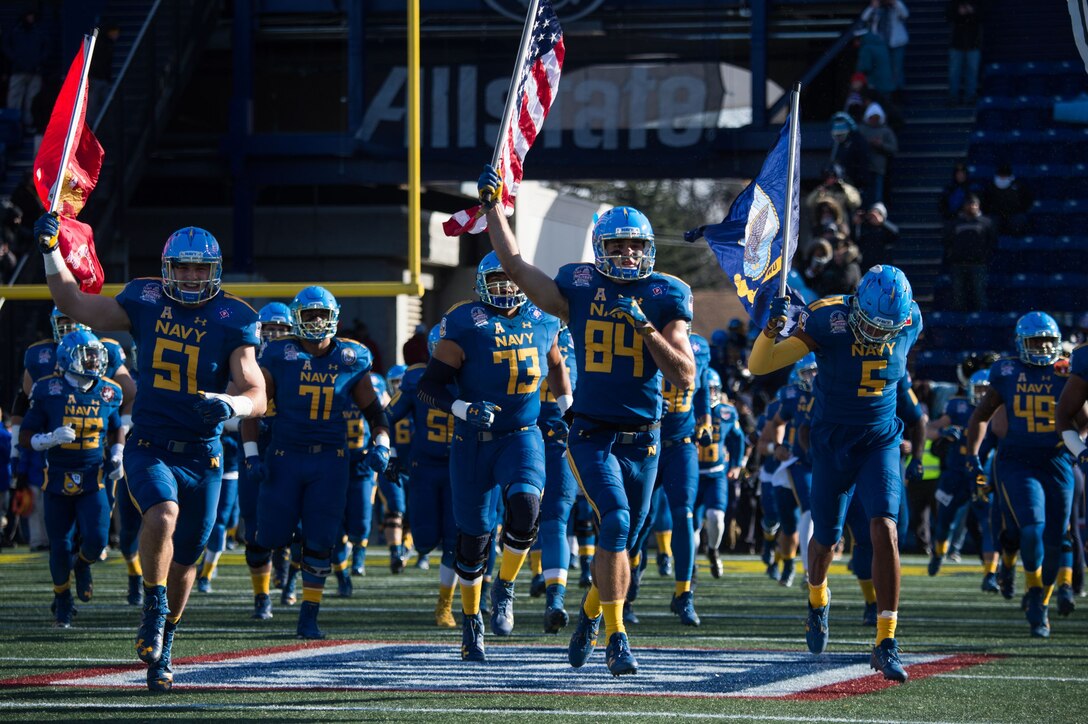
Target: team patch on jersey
108 393
348 356
837 322
658 289
535 314
224 313
583 276
479 317
360 665
151 293
290 352
56 387
45 356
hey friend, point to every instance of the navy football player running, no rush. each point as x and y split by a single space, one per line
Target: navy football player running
861 343
617 309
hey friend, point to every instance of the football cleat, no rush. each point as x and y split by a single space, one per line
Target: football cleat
585 579
204 584
556 617
287 595
772 570
989 583
816 628
397 560
618 656
767 556
1067 602
715 562
1036 612
1006 580
684 607
149 635
584 638
664 565
135 590
869 617
885 659
422 562
786 577
84 582
358 561
307 621
934 564
262 607
472 638
160 676
344 589
629 615
502 608
538 586
63 607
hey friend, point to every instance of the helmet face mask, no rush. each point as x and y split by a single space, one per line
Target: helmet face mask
714 387
806 371
494 287
394 377
1038 339
977 386
623 261
62 324
192 266
81 353
275 321
315 314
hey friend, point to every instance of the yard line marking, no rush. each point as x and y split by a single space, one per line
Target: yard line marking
1002 677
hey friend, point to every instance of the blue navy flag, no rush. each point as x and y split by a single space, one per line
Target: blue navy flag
748 242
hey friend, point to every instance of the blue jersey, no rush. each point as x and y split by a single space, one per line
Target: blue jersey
728 447
54 402
769 463
40 358
858 381
681 405
549 408
432 428
795 408
313 393
1031 396
959 412
505 358
907 407
1078 362
617 378
181 352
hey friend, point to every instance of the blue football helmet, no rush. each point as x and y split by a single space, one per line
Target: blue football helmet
62 324
432 338
714 386
275 319
315 327
623 222
381 387
1038 339
978 384
191 245
81 353
394 377
501 294
805 369
882 305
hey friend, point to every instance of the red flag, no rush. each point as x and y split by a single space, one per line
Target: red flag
537 89
67 124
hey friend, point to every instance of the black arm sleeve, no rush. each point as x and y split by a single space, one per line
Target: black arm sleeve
433 386
375 416
21 404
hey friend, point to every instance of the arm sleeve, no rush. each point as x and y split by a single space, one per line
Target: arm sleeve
734 444
768 356
433 386
400 406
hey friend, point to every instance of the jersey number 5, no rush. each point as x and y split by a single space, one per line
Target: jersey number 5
871 385
168 373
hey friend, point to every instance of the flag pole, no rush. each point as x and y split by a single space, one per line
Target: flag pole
515 79
73 124
788 233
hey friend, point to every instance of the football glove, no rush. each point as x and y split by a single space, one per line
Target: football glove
213 409
705 436
377 459
977 473
627 308
45 440
916 470
46 229
776 316
255 470
489 187
394 470
952 433
116 462
481 414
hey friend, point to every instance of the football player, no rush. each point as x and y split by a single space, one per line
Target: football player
720 463
496 350
770 438
312 376
861 343
72 414
633 325
1034 469
191 340
228 500
1069 404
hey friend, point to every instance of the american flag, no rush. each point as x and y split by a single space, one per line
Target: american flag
537 87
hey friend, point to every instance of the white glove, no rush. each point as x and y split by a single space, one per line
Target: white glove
117 460
45 440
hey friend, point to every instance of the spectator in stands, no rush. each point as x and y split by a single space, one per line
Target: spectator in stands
26 46
876 236
1008 201
101 73
415 350
970 241
954 194
888 18
965 17
12 231
850 151
857 95
875 62
883 145
833 266
8 261
834 200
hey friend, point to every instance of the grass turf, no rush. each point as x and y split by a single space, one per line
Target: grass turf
1028 680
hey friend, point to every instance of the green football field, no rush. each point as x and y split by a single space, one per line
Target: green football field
969 654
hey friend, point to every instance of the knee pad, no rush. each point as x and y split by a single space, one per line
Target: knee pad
615 527
256 556
316 562
522 520
394 520
583 526
472 553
